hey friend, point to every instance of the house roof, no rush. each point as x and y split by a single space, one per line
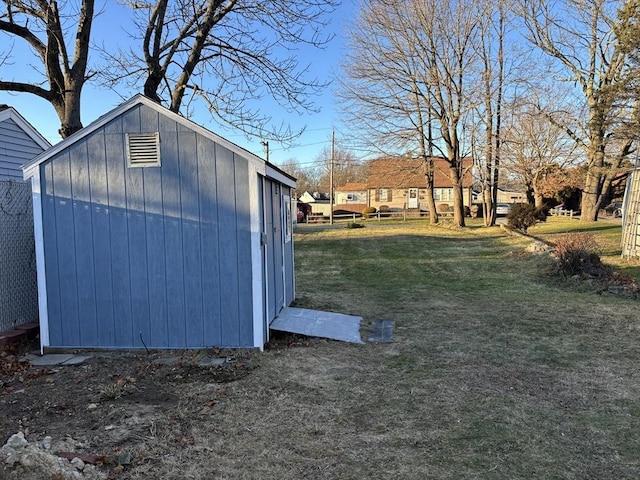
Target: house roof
269 169
7 112
410 173
352 187
316 196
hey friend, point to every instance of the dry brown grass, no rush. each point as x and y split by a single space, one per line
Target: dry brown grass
493 372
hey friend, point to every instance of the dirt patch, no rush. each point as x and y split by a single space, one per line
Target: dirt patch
111 404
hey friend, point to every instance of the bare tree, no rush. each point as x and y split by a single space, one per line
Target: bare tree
489 117
385 93
413 64
346 168
539 154
578 35
42 26
306 178
228 53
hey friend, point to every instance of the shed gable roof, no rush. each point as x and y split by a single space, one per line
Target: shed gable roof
264 168
10 113
410 173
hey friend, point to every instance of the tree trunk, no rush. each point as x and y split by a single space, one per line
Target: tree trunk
592 191
431 203
530 192
458 201
70 121
591 198
434 219
538 200
489 211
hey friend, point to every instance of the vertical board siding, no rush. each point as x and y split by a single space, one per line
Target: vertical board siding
227 245
152 185
174 283
56 334
244 262
99 207
209 233
119 330
192 249
155 256
138 267
82 230
67 270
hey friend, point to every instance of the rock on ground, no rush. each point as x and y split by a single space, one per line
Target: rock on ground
24 460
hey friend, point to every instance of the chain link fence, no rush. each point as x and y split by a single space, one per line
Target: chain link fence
18 282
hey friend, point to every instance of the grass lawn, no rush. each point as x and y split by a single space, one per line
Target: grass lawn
496 370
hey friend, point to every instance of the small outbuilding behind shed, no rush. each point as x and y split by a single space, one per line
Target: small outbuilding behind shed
152 231
19 142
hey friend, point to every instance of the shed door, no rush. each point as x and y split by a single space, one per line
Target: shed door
274 264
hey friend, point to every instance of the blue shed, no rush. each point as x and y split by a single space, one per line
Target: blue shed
151 231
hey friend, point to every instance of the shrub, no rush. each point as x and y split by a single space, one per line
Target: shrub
384 210
523 215
443 208
368 211
354 225
577 254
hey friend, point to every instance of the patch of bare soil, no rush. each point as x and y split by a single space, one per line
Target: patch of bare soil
93 420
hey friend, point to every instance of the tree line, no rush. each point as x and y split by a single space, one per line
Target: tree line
534 85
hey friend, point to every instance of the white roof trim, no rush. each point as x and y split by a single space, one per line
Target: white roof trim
36 136
29 167
275 173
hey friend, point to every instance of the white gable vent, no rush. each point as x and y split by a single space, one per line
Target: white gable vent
143 149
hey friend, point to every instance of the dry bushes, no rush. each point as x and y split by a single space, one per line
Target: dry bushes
578 254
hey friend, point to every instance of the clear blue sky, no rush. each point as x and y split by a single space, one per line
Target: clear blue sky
98 101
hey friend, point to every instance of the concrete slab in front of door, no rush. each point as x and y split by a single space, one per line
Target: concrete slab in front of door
315 323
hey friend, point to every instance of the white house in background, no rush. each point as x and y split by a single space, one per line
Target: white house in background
350 197
351 193
510 196
319 202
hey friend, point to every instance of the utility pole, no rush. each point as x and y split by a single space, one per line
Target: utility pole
333 141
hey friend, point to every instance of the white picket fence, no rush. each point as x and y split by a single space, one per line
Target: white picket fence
353 217
564 213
